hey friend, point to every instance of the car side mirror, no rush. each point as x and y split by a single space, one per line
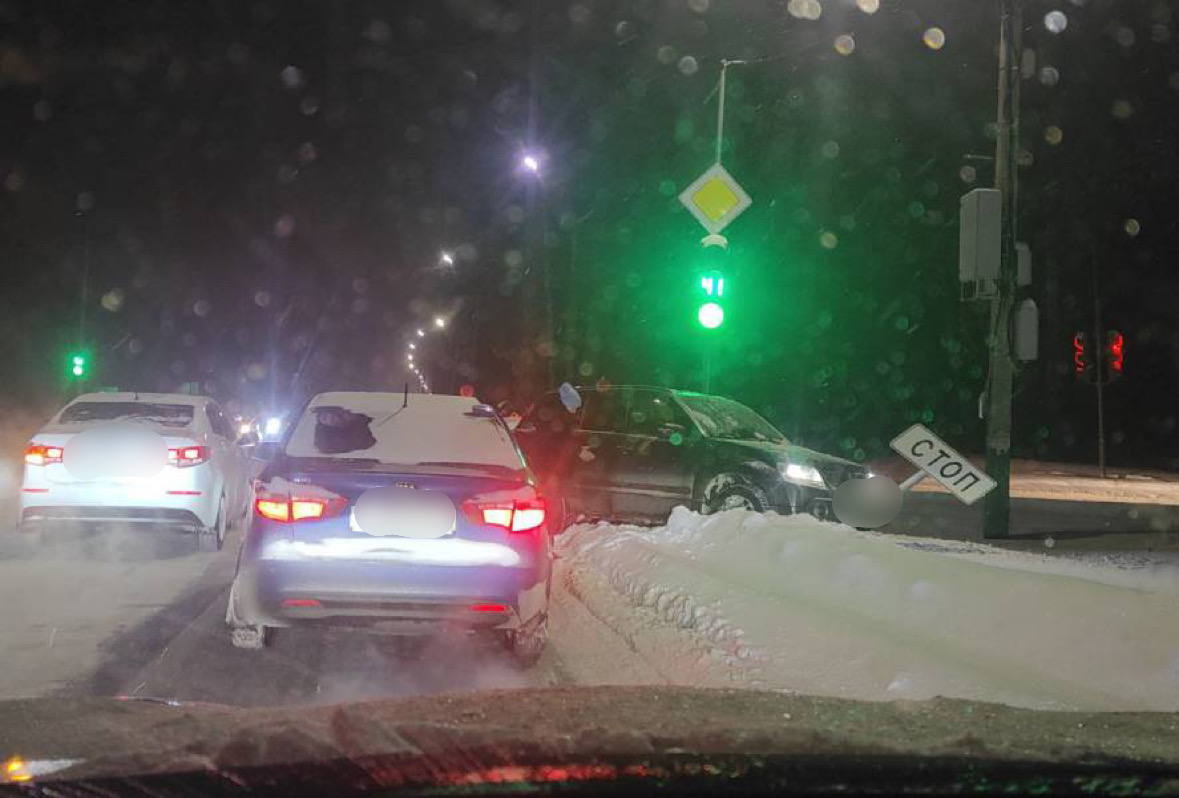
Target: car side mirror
666 431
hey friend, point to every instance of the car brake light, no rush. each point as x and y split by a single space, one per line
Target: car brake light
272 509
488 608
284 507
300 602
515 515
307 508
185 456
40 454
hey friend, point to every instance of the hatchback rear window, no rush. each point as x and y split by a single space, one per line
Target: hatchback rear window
138 412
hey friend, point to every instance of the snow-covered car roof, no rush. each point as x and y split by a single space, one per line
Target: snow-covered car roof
146 398
429 429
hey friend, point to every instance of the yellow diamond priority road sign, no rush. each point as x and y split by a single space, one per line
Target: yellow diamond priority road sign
715 199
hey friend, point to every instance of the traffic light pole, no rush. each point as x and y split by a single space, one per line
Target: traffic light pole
997 504
1098 363
707 364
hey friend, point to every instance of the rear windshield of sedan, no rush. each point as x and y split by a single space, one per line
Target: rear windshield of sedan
428 433
139 412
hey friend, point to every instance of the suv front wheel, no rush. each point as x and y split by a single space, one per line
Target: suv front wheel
735 493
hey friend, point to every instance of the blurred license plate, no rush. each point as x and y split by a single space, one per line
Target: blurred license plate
410 523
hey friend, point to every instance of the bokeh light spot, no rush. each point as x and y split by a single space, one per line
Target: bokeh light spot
934 38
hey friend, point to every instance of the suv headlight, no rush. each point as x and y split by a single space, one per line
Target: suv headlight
802 474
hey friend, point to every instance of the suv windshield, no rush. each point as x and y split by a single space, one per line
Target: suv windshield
165 415
723 418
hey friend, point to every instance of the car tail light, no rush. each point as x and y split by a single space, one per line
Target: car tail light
286 507
301 602
185 456
488 608
516 514
41 454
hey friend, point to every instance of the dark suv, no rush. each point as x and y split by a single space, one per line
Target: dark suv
634 453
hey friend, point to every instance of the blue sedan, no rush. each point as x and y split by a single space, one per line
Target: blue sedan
397 513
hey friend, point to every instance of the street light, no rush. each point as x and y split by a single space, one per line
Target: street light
413 346
421 333
447 258
530 163
439 322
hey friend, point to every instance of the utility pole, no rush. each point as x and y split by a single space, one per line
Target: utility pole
997 504
85 287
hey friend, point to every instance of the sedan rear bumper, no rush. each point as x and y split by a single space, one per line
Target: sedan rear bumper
401 599
180 519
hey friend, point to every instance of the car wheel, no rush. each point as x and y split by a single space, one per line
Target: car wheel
245 635
738 494
251 638
214 538
527 643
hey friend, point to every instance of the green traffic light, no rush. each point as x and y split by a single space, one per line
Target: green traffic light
711 315
78 365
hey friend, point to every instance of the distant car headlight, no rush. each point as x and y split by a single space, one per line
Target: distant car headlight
273 425
802 474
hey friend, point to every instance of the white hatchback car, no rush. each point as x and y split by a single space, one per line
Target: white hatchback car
152 460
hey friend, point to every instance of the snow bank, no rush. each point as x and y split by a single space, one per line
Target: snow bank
793 603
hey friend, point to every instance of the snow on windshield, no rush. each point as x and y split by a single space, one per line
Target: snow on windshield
430 429
168 415
724 418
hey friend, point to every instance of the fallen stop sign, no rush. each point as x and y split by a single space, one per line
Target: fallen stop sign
934 457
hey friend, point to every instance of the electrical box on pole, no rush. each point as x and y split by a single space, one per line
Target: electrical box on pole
1027 330
979 243
1023 260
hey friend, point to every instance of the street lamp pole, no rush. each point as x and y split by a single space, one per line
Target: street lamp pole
997 504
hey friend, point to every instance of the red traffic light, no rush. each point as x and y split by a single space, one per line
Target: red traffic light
1116 349
1079 353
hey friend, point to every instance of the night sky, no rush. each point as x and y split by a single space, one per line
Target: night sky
262 191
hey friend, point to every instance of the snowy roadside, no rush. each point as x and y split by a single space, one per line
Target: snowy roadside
1034 479
796 604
